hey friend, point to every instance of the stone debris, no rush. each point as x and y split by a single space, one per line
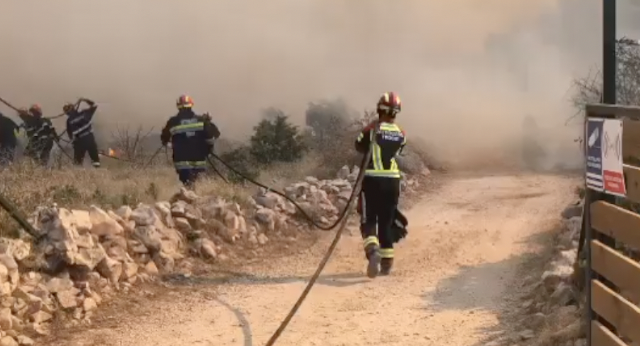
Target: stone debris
551 313
88 255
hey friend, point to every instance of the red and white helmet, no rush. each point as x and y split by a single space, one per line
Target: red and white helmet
389 104
35 110
184 101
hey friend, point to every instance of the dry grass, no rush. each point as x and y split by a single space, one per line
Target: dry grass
29 186
145 175
118 183
280 175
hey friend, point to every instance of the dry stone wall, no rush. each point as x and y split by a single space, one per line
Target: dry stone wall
86 256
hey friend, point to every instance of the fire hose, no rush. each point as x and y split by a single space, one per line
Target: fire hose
77 104
341 223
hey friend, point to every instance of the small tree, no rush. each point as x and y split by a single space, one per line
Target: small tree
589 88
276 139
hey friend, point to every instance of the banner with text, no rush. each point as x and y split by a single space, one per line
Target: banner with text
604 171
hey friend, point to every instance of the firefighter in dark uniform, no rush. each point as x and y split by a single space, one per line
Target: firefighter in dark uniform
40 133
8 140
191 137
532 151
80 131
381 184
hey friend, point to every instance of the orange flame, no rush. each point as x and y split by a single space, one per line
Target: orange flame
112 152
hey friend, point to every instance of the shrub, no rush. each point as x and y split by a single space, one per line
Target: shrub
589 89
275 139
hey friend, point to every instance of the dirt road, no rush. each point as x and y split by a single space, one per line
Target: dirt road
451 279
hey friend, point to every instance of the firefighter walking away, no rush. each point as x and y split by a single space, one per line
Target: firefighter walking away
192 137
80 131
380 193
40 134
8 140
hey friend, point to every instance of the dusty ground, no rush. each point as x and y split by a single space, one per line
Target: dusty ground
455 276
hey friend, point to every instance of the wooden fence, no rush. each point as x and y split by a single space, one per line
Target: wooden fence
613 235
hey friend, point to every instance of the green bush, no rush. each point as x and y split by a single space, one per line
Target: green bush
275 139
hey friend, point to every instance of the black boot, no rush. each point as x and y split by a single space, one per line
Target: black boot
373 256
385 266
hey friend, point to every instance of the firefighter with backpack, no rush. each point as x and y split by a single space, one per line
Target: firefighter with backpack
192 138
381 223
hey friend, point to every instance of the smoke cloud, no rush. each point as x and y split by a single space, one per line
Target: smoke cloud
468 71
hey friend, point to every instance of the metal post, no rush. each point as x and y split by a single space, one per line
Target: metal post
609 51
609 71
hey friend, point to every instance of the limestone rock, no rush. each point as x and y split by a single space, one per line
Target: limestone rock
149 237
25 340
6 320
185 195
343 173
89 304
16 248
144 215
68 299
59 284
103 224
151 269
124 212
129 270
110 269
8 341
182 224
82 219
262 239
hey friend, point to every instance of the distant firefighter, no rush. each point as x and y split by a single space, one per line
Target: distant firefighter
192 137
80 131
40 134
8 140
532 151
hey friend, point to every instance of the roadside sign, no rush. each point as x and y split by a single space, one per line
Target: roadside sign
604 171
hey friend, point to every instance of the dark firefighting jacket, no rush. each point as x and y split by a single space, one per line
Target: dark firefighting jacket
191 137
388 140
8 131
79 123
40 131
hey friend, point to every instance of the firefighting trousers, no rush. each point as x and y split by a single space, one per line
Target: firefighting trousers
84 145
7 153
188 176
39 151
379 200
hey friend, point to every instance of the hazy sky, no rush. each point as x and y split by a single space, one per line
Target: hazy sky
467 70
